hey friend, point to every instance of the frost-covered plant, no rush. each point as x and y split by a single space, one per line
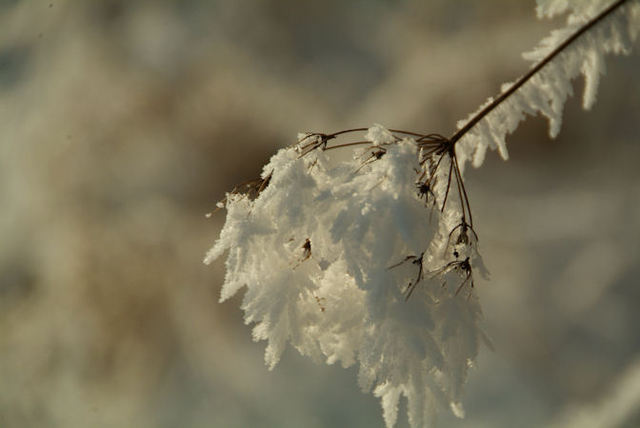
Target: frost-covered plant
370 259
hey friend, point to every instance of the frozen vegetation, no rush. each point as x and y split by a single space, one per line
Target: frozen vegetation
370 259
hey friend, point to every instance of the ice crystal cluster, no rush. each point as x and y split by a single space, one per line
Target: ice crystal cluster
547 91
366 254
316 248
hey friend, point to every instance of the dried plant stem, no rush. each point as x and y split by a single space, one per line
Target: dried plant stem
481 114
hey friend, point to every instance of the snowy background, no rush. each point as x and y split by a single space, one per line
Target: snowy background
122 123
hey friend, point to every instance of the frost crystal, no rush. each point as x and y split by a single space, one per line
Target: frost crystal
548 90
316 250
379 135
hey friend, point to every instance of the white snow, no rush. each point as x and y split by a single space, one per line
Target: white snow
343 302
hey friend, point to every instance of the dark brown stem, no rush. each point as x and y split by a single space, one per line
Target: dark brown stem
478 117
335 134
446 194
356 143
460 185
397 131
464 191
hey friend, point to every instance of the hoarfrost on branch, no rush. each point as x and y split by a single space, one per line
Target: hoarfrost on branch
330 250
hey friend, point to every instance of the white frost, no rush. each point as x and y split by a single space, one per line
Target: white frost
379 135
547 92
338 299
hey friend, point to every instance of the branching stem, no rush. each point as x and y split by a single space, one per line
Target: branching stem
432 149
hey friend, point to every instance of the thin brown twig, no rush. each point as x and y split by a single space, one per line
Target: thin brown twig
495 103
339 146
464 192
446 194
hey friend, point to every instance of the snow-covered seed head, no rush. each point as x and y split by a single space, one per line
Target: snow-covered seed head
340 260
367 222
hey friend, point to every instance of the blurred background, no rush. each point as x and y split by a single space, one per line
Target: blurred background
123 122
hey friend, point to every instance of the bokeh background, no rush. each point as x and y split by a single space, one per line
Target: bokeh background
123 122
